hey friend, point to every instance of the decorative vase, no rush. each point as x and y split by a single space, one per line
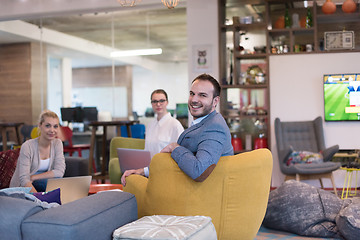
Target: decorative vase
303 22
280 22
328 7
349 6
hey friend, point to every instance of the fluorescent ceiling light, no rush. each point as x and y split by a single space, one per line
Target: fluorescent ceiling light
137 52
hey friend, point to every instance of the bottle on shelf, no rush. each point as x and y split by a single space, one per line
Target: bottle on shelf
260 141
349 6
287 18
236 143
309 22
261 136
328 7
229 67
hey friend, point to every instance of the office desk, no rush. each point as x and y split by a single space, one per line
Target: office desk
3 127
102 175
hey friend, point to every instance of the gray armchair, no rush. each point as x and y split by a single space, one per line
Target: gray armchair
304 136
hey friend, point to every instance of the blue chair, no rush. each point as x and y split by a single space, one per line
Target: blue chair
137 131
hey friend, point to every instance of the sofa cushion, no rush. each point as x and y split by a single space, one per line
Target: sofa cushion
49 197
297 157
24 195
16 190
348 220
12 213
299 208
92 217
8 160
168 227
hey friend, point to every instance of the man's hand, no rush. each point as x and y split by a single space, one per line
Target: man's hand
169 148
127 173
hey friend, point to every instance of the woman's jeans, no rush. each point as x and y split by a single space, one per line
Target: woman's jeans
40 185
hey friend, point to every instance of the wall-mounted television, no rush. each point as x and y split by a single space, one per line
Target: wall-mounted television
342 97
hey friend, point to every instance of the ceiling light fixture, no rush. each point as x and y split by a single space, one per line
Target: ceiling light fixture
136 52
128 3
170 3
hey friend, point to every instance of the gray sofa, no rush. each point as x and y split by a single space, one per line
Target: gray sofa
92 217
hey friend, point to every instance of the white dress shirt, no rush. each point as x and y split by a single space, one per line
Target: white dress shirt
159 134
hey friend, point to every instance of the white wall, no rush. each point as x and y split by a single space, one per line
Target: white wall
175 78
202 22
54 88
296 93
66 73
106 99
172 77
202 31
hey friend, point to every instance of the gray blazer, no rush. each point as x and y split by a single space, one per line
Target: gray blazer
29 161
202 145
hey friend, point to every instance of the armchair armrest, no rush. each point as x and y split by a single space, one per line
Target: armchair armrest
12 213
114 171
137 185
328 153
284 153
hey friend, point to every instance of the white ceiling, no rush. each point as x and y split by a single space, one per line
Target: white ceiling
148 24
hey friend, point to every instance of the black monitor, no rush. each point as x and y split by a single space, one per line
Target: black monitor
67 114
79 114
90 114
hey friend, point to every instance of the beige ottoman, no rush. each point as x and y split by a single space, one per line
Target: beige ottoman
166 227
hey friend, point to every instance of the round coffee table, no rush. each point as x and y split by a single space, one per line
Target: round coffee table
94 188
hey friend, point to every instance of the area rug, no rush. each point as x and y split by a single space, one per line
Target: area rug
267 234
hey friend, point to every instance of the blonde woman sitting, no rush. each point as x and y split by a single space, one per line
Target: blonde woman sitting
40 158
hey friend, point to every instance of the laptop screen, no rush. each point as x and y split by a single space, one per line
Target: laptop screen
133 158
71 188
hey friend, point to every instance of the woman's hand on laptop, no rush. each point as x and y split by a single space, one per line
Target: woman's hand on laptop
127 173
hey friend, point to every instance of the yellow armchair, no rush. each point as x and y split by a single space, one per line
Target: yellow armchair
235 195
121 142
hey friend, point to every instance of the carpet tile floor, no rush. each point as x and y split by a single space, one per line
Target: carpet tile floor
269 234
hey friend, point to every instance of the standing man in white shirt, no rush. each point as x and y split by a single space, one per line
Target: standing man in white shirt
160 132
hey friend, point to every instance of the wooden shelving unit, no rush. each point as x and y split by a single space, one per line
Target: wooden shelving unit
237 95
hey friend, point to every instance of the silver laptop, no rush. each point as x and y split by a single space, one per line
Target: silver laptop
71 188
133 158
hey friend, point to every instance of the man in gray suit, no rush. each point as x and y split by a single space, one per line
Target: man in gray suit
200 147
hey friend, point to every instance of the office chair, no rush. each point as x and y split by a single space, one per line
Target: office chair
70 148
137 131
26 131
